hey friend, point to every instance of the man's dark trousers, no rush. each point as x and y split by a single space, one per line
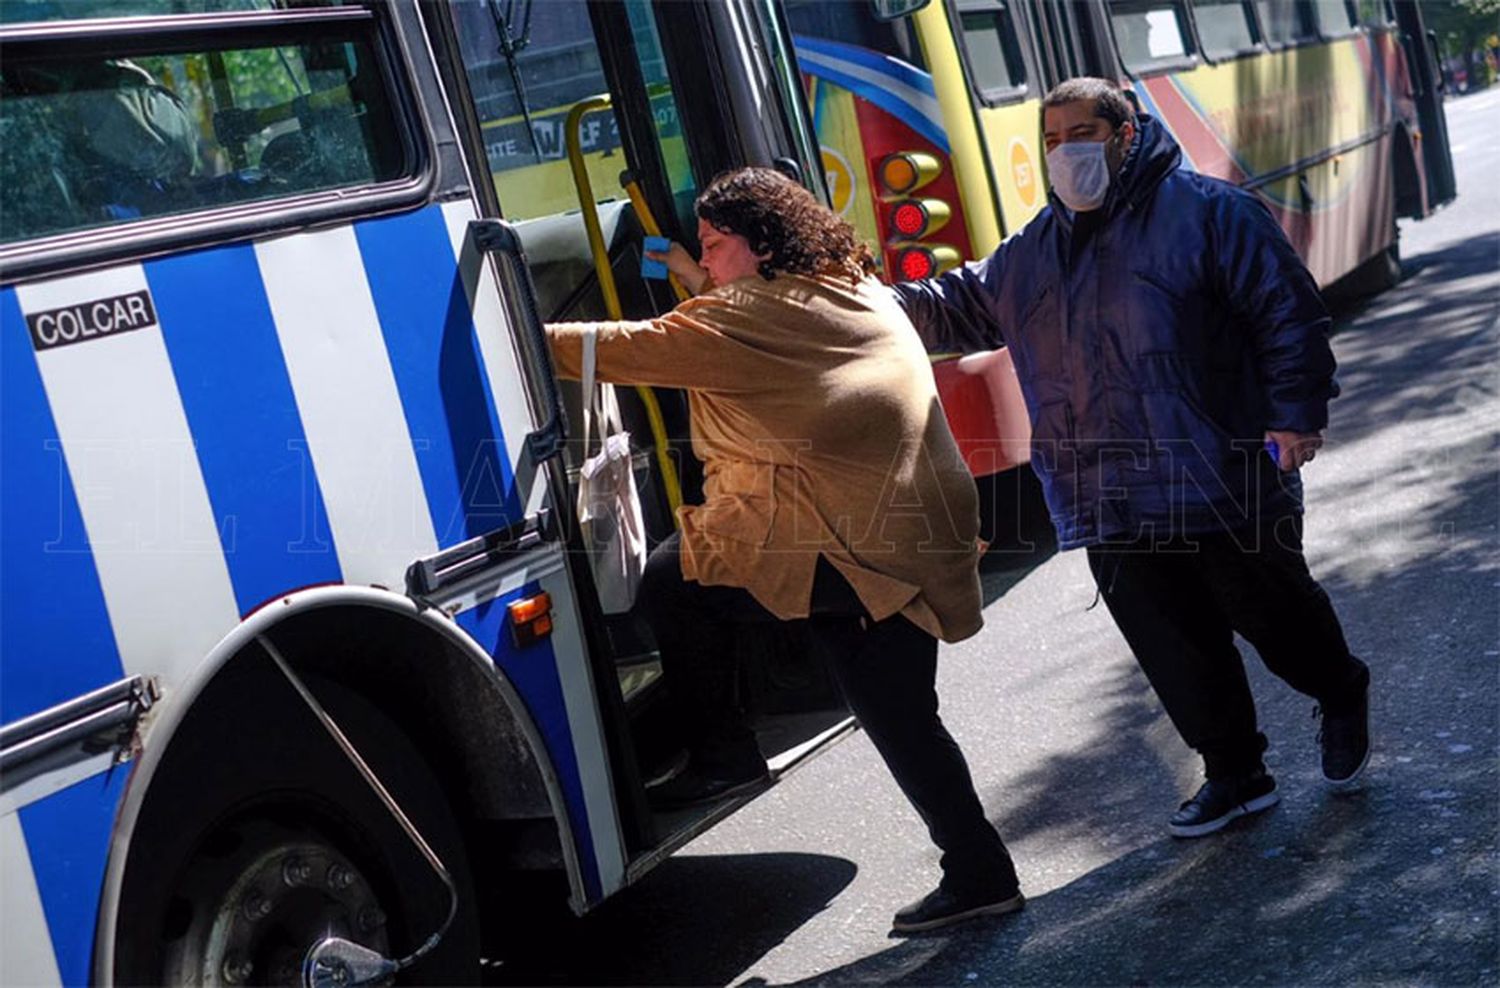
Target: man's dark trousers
887 672
1178 607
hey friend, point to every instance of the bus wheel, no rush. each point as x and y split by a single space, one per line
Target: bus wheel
281 843
257 898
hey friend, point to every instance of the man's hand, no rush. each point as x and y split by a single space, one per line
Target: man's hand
1294 448
681 263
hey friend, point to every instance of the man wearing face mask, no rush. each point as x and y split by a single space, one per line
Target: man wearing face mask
1173 353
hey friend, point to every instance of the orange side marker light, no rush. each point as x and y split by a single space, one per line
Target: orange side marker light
530 619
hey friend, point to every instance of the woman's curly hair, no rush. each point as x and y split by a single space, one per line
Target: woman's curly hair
781 218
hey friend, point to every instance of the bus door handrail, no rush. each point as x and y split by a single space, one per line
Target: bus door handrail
590 212
632 187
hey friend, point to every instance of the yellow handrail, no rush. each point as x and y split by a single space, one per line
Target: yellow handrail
590 212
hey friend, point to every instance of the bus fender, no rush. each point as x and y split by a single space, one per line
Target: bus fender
501 756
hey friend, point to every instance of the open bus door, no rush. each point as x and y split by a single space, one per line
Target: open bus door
590 124
1427 90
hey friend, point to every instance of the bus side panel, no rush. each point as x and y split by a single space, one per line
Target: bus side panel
205 432
553 680
1012 135
67 837
1287 110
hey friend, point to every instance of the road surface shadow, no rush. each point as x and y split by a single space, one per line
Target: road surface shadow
694 920
1421 345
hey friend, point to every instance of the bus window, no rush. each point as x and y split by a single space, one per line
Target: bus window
1285 22
1334 20
86 140
996 67
1224 26
849 21
523 107
1150 34
1374 13
22 11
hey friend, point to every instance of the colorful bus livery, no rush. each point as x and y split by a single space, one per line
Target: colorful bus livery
1328 134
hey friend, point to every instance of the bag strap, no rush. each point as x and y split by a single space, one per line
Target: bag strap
600 404
590 358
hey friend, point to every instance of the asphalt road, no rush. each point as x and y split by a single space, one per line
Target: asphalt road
1079 768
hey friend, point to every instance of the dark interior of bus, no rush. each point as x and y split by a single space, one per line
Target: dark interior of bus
526 66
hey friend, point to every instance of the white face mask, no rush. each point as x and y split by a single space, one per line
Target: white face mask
1079 173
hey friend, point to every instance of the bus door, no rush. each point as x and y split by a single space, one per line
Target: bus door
1426 74
655 97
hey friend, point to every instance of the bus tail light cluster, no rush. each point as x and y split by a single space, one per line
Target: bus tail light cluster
911 218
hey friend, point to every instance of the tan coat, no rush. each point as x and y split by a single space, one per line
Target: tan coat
816 417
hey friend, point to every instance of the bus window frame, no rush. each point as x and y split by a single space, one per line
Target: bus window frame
1025 46
1257 45
116 242
1179 63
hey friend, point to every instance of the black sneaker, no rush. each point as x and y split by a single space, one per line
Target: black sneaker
1345 738
697 784
1221 800
943 907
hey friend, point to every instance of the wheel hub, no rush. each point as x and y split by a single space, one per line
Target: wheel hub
256 914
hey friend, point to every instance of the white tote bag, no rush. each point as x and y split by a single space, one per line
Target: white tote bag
609 510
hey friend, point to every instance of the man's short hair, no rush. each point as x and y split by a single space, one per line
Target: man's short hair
1109 102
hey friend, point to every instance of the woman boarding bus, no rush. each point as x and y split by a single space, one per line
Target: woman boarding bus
302 665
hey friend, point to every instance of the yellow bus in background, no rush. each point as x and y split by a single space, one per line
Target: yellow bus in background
927 113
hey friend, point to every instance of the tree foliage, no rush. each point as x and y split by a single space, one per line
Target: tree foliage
1462 25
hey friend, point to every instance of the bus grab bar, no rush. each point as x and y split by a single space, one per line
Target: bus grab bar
590 211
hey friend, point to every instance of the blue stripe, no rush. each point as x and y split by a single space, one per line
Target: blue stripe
887 65
56 640
67 835
883 98
242 413
534 675
429 332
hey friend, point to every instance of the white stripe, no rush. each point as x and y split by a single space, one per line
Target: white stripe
26 956
921 102
496 349
588 739
351 410
139 486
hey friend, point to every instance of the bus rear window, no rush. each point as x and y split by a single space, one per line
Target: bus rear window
89 139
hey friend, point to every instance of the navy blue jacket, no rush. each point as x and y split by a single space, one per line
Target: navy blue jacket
1156 340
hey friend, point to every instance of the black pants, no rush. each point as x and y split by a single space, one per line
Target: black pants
886 670
1179 610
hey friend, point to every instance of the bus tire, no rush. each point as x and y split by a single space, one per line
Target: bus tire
267 863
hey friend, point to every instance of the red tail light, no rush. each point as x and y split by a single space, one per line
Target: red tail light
917 261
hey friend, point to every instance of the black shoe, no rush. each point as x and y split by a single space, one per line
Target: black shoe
697 784
1221 800
1345 738
942 907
